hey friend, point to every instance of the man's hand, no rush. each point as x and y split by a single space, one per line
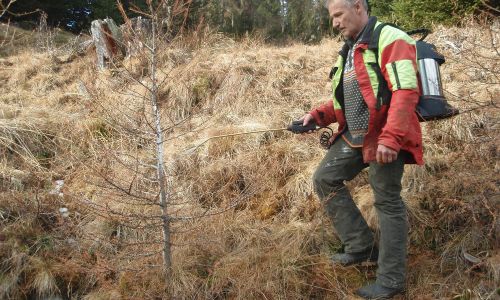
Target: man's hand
386 155
307 118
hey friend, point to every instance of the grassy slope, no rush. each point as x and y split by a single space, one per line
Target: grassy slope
57 116
14 38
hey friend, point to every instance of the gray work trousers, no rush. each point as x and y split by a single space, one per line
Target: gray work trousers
344 163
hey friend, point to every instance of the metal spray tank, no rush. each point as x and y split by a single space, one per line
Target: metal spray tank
432 104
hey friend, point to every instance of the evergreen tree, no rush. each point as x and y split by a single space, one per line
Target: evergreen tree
101 9
304 19
59 12
268 18
417 13
382 9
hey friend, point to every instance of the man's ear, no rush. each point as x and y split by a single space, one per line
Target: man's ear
358 6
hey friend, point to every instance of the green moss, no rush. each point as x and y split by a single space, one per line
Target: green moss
43 243
100 128
335 247
201 89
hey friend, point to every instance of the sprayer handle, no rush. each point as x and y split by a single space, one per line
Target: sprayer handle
298 127
423 31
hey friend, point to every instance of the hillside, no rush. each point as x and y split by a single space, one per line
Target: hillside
13 38
69 135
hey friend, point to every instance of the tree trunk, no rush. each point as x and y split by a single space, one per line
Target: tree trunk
283 13
163 196
165 16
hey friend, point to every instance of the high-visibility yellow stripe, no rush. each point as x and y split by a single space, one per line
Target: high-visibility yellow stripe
336 80
369 58
402 75
388 37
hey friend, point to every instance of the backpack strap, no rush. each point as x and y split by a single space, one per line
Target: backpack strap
384 95
376 35
343 53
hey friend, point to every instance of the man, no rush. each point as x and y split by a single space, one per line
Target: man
378 128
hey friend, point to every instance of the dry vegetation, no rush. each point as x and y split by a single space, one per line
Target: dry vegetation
58 120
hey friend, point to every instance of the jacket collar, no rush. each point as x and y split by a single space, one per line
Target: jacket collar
366 36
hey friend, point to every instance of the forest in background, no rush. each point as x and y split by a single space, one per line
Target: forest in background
304 20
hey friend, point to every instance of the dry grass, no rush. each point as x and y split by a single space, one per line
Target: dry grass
13 38
63 120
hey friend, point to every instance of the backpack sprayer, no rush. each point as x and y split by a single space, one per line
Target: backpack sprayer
432 104
296 127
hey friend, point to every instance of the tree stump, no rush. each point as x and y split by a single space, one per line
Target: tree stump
108 40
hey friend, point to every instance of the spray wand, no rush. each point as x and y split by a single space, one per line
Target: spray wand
296 127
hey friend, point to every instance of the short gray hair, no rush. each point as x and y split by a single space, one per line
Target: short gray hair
349 2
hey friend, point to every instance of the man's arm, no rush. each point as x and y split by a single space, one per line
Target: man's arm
398 65
323 115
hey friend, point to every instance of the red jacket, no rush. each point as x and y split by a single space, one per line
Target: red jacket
393 121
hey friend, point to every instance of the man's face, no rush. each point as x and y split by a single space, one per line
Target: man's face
349 20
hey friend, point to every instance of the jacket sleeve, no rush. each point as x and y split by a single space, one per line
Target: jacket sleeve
401 112
398 65
324 115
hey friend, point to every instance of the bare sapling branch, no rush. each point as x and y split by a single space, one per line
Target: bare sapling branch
4 8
